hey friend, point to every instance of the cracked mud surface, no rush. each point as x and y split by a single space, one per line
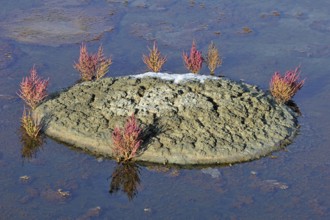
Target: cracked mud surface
218 121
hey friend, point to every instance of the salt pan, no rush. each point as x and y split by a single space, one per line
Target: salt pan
177 78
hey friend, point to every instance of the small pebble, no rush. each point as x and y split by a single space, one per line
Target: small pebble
24 178
253 172
63 193
147 209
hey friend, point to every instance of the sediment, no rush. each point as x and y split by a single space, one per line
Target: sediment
197 121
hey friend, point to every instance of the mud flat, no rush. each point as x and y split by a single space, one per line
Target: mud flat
55 23
188 119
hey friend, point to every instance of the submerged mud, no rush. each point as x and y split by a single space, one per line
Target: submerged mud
55 23
8 54
190 122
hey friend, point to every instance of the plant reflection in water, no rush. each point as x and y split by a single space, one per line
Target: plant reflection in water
126 178
30 145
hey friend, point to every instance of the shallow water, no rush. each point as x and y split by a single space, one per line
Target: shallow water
290 184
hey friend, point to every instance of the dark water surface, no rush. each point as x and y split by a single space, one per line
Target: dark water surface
290 184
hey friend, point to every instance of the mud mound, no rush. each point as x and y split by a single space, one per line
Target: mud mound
187 119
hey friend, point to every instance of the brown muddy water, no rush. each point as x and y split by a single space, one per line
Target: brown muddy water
256 38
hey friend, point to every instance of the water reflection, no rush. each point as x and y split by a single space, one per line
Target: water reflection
30 145
126 178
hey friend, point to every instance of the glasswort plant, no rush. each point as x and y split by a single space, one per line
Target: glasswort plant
213 59
155 60
194 60
33 89
127 140
92 66
30 125
283 88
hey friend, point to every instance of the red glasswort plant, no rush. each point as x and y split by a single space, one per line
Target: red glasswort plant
155 60
194 61
283 88
92 66
33 89
127 140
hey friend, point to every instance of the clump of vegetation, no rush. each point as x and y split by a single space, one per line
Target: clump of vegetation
127 140
213 59
155 60
33 89
283 88
30 124
92 66
194 60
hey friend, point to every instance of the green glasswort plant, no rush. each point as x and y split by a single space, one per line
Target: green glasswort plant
30 125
